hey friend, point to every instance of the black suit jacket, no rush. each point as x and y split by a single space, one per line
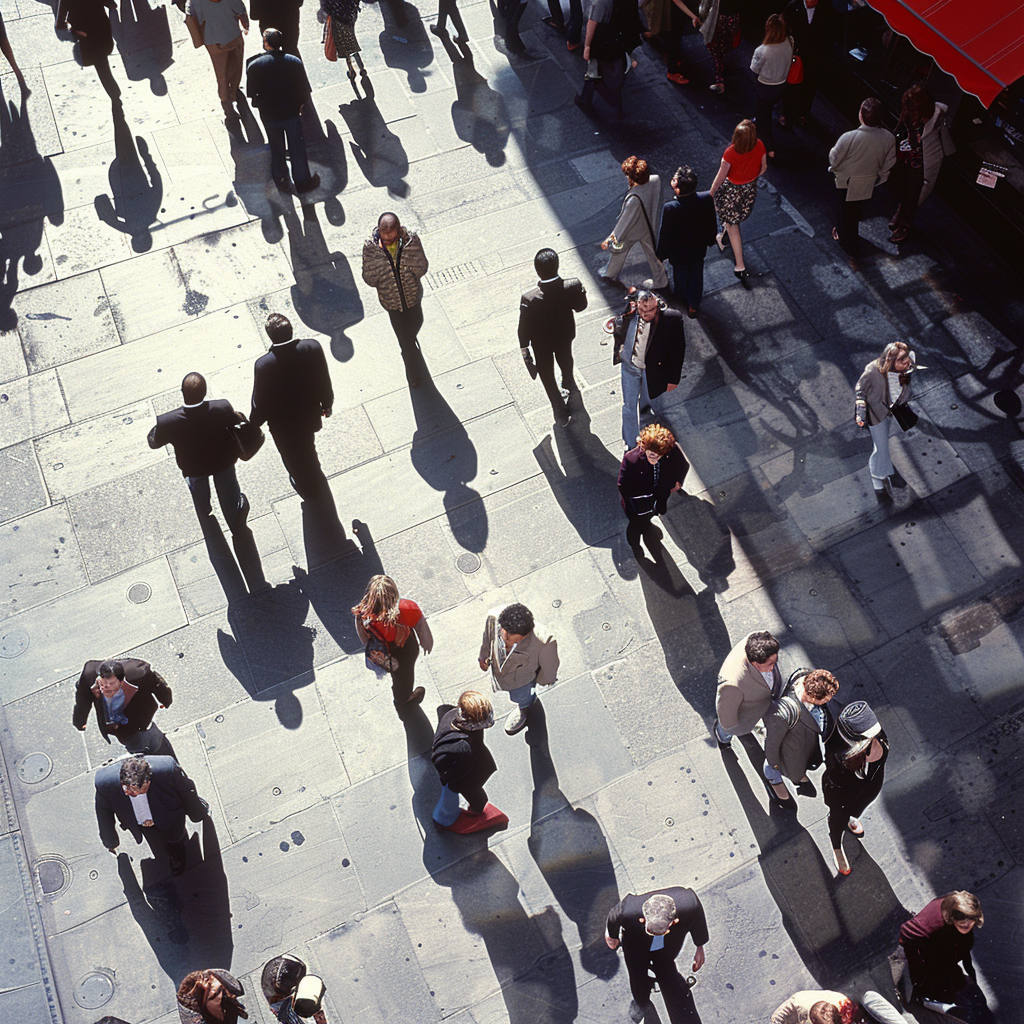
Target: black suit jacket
292 388
546 313
202 444
688 226
624 924
665 350
144 691
172 795
813 40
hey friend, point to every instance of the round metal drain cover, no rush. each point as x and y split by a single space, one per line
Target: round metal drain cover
94 990
139 593
34 767
14 643
467 562
54 874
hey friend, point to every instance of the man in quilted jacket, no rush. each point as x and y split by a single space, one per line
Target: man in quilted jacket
393 263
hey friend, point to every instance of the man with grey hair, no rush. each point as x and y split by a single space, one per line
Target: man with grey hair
651 928
147 797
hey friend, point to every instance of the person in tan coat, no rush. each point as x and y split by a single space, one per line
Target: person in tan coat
748 681
518 658
393 263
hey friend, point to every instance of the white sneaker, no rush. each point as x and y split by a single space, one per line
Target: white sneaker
516 721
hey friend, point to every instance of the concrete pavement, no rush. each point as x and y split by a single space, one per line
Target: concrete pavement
137 248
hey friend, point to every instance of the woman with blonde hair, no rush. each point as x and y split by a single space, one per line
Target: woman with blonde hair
885 383
771 63
735 189
393 628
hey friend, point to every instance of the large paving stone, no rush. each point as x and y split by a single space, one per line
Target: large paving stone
23 489
31 406
50 638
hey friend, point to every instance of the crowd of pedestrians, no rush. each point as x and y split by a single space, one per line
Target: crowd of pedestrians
802 719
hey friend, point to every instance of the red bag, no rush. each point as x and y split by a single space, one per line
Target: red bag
330 50
738 38
796 70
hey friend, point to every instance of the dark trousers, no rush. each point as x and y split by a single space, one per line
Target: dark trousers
799 97
677 995
449 9
298 453
228 494
848 217
404 677
277 131
545 359
512 10
148 741
406 324
175 847
574 25
688 282
288 22
766 98
908 182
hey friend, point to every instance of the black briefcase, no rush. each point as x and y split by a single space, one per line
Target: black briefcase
247 437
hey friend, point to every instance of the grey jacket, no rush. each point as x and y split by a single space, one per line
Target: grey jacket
631 226
397 280
791 751
873 395
534 660
862 159
771 62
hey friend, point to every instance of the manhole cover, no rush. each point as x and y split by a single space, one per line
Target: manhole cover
34 767
54 874
139 593
94 990
14 643
467 562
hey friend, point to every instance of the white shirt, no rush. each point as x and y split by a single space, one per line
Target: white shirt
810 13
769 678
140 805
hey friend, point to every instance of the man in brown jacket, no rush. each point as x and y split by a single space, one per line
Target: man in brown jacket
748 681
518 658
393 263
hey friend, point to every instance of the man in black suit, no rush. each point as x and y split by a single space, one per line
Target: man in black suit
688 227
546 323
650 344
292 394
282 15
147 797
125 695
203 447
810 23
652 928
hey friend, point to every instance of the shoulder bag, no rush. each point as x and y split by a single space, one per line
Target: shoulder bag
247 436
330 48
796 70
904 415
379 658
647 221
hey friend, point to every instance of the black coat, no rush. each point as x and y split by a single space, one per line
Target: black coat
462 760
90 17
813 41
200 436
624 924
665 350
292 388
172 795
688 226
636 478
144 690
546 319
844 789
276 83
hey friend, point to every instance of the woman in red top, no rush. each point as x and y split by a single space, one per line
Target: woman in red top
402 626
735 189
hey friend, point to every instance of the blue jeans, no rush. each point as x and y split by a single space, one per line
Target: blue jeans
879 464
291 128
524 696
634 394
228 494
447 810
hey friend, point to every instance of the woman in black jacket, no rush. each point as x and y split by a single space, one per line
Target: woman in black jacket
462 761
855 756
649 473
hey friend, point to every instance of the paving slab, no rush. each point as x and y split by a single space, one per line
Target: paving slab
30 406
23 490
48 640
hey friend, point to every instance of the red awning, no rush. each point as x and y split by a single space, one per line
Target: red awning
979 42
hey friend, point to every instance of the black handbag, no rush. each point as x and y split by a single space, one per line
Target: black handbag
904 415
247 437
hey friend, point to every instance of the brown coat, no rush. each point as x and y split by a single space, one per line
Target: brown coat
743 697
397 281
533 660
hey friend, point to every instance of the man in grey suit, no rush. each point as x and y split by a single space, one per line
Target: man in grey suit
748 681
860 160
147 796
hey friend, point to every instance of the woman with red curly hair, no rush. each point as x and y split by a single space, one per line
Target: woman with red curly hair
638 219
649 474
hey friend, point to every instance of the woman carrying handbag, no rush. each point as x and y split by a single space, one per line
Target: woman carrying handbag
393 629
883 393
